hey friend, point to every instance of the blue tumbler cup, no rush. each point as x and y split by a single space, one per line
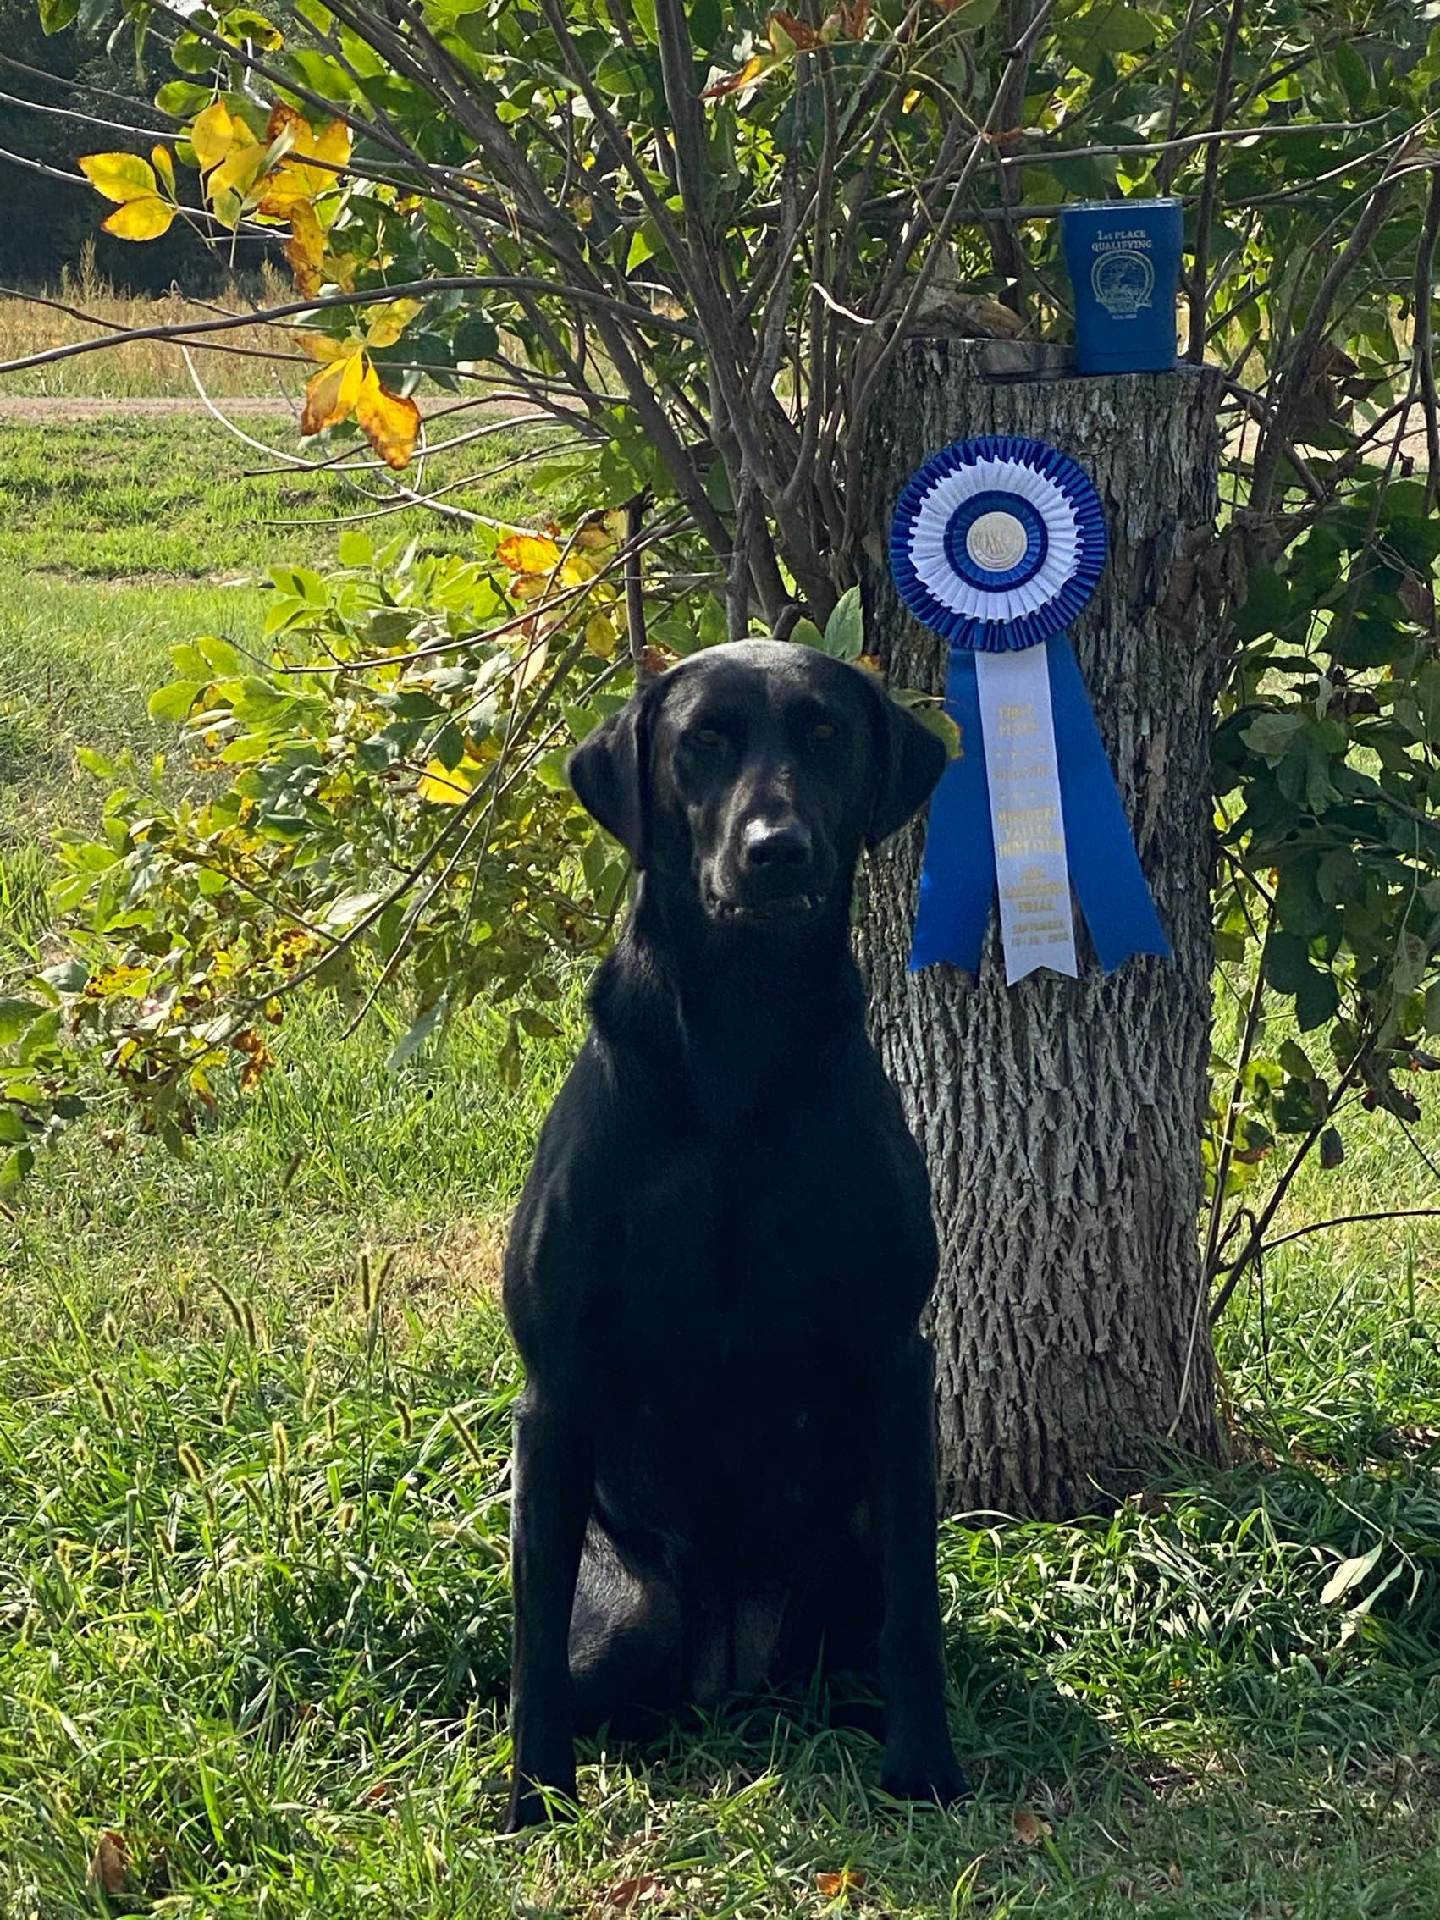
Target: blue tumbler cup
1123 258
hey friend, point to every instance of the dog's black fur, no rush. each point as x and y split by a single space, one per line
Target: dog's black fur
723 1467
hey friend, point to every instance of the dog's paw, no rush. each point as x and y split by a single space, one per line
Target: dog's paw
940 1781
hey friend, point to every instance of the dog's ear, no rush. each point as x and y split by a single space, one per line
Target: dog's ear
610 772
909 760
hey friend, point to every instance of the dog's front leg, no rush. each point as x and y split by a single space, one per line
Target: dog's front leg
920 1761
551 1489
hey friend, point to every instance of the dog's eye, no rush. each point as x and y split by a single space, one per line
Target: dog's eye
822 730
706 737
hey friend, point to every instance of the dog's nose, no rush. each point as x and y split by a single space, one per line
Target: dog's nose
777 845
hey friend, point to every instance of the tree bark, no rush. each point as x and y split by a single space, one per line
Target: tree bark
1062 1119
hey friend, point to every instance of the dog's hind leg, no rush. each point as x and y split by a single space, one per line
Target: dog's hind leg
626 1644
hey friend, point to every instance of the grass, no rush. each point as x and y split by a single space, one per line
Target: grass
253 1409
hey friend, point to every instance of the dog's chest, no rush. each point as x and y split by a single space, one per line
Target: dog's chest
729 1267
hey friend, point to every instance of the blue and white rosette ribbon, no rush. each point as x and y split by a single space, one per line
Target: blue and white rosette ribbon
997 544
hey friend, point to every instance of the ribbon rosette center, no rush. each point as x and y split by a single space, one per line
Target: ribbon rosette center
997 544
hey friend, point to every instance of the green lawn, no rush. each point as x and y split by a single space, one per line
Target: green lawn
253 1409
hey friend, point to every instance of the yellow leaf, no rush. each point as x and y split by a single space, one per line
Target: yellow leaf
331 394
446 786
390 423
387 323
216 132
284 189
527 553
121 177
333 143
235 174
754 69
321 347
164 166
299 143
534 651
143 219
305 249
600 635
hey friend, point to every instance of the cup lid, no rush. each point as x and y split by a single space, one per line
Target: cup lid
1129 201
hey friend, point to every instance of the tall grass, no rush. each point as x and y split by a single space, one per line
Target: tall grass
142 369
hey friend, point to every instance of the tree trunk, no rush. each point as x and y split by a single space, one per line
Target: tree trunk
1062 1119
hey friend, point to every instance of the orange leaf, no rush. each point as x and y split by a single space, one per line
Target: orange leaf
293 179
848 21
527 553
285 119
1028 1827
390 422
627 1893
800 36
305 249
110 1863
833 1885
754 68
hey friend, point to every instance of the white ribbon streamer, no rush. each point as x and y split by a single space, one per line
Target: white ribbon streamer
1037 917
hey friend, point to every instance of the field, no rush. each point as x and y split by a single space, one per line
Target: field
253 1499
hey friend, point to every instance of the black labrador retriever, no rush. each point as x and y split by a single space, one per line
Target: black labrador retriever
723 1465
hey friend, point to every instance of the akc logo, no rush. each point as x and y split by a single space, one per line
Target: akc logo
1123 282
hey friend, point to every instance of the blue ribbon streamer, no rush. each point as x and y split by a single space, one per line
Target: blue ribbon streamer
957 879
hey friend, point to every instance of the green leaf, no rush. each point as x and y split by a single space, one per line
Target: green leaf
805 633
1266 606
1294 1059
1289 970
640 250
349 908
1120 29
1349 1574
14 1169
1270 734
56 15
417 1036
223 660
1354 75
476 338
845 629
972 14
538 1025
176 701
15 1017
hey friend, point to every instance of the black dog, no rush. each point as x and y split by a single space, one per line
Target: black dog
723 1468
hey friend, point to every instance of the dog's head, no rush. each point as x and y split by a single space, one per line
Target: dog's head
750 776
